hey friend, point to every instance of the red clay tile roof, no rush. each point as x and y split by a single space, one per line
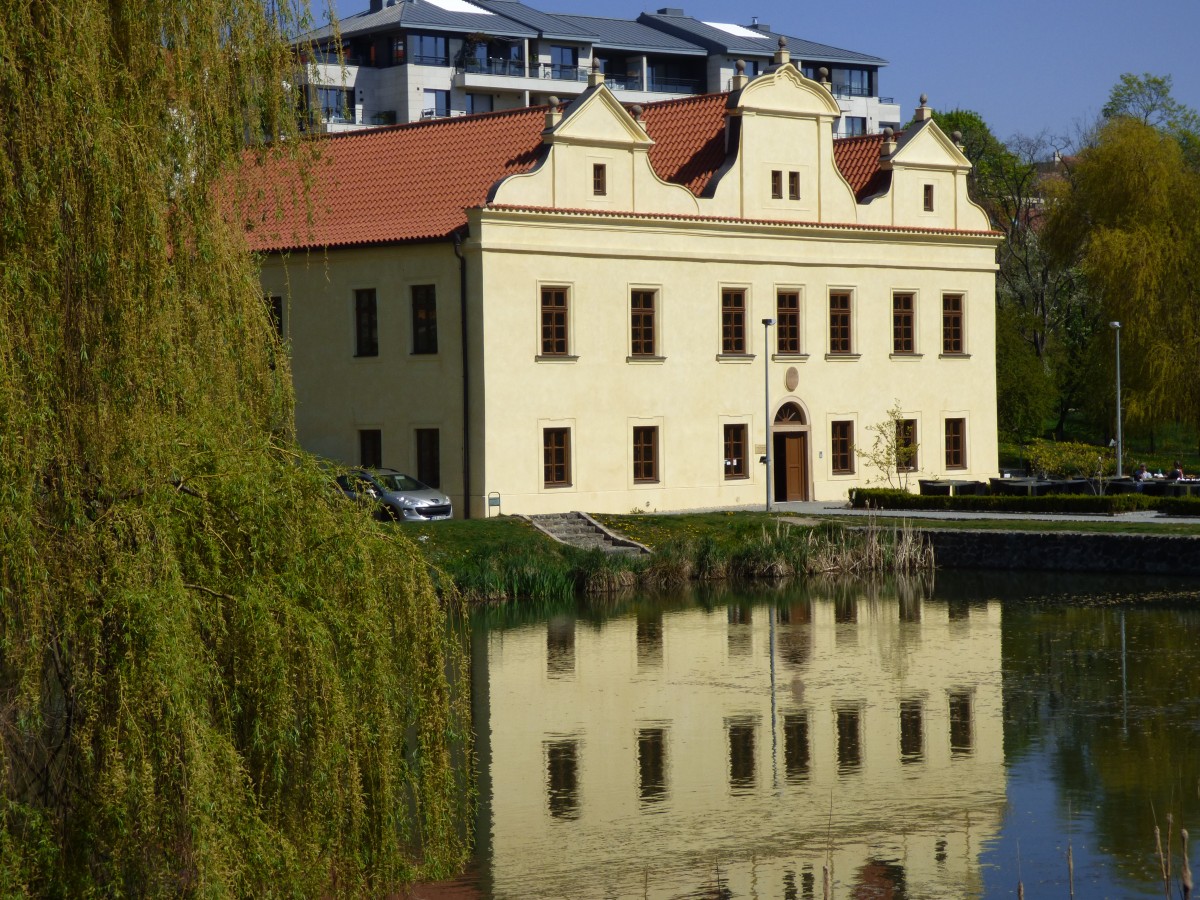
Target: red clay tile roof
858 159
415 182
405 183
689 139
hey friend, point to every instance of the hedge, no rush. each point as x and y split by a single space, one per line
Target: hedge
1179 506
883 498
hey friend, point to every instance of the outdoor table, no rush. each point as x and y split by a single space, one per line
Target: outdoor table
1187 487
1031 487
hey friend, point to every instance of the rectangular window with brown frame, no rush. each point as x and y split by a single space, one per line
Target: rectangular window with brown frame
599 179
952 323
642 322
556 457
793 185
956 443
554 321
839 322
928 198
735 451
906 445
429 456
645 454
776 184
424 319
366 323
733 322
787 322
902 323
841 451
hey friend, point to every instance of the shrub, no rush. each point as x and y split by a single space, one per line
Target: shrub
874 498
1179 506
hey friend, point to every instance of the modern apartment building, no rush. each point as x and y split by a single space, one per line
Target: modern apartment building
405 60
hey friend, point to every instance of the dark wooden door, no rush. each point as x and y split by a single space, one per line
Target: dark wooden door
791 466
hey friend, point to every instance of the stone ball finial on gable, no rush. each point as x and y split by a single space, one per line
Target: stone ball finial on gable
595 64
887 133
956 136
923 111
740 65
553 101
782 42
636 112
823 73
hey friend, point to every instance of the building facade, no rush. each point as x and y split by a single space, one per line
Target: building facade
563 308
414 59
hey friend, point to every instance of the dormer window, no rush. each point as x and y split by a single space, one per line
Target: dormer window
599 179
929 198
776 184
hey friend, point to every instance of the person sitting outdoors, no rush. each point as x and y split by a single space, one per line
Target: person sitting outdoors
1177 472
1142 474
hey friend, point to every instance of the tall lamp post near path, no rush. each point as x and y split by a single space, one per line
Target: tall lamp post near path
1116 326
767 323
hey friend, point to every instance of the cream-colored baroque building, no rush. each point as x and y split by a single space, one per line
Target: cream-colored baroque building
563 307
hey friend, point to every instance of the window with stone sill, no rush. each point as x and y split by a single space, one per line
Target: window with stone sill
733 322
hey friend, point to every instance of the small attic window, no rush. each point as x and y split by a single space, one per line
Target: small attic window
929 198
776 184
599 179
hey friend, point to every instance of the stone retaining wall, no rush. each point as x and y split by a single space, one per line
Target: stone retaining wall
1066 551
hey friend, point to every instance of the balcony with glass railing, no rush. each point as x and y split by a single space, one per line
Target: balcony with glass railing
533 76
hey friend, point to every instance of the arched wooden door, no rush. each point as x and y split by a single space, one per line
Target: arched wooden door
789 451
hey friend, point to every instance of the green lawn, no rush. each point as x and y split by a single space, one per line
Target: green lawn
451 545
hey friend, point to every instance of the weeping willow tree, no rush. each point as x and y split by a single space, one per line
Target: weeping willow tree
1127 211
215 677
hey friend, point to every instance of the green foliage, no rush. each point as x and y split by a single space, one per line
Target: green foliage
1069 459
893 457
1180 506
882 498
1025 390
215 677
1147 99
1128 212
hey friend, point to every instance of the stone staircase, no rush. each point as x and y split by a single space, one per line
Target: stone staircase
581 530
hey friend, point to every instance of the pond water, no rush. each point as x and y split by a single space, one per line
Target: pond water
946 737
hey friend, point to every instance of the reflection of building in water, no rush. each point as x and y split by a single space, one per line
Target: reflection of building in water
659 754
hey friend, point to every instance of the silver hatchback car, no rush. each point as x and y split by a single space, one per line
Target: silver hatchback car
400 497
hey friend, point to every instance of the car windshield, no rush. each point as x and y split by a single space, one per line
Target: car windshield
394 481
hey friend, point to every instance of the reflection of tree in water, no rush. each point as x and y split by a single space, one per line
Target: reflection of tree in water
1130 756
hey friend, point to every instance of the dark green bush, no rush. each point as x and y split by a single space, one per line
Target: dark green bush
881 498
1179 506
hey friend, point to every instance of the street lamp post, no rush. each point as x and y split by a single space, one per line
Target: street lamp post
1116 326
767 323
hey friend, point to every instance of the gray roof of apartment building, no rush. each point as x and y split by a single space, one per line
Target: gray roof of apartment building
750 40
424 15
662 32
627 34
547 25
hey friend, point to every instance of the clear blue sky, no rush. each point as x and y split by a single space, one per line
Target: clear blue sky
1024 66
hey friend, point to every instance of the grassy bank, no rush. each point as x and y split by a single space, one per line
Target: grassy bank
506 558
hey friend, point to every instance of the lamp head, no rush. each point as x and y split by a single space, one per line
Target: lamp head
768 321
1116 325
